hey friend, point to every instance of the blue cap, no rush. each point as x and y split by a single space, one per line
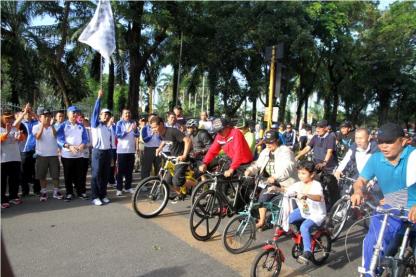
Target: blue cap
73 109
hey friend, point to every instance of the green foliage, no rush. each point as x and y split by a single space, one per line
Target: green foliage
353 56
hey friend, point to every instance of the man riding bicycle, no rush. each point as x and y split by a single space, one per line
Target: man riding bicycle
394 167
232 142
201 139
180 146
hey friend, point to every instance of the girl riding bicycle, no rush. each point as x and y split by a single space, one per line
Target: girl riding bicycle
311 209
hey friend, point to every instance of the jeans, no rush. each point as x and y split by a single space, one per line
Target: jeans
305 228
100 171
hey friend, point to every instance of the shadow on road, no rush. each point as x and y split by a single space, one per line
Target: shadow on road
169 271
176 213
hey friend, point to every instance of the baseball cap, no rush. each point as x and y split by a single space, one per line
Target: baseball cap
389 132
271 136
42 110
105 110
322 124
346 124
73 109
219 124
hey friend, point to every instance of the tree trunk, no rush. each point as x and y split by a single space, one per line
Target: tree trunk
327 107
254 110
282 102
305 111
175 100
384 107
212 80
134 37
59 55
110 95
333 117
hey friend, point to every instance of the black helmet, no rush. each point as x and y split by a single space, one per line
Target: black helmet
192 123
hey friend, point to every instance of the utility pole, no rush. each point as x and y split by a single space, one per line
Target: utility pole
271 88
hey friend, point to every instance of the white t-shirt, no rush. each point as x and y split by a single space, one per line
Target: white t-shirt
309 209
207 125
46 146
10 147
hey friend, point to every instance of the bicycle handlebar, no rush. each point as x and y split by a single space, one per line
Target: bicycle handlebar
389 211
348 178
172 158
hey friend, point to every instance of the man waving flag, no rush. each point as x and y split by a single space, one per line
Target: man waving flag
100 34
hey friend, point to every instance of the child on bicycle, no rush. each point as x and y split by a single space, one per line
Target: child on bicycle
311 206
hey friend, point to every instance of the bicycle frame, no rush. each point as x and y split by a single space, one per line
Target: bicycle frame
379 244
169 167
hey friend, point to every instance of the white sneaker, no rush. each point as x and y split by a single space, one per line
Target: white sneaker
129 190
97 202
119 193
105 200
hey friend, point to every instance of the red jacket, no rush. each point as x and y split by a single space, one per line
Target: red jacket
234 145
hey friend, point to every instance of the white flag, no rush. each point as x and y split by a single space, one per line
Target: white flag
100 34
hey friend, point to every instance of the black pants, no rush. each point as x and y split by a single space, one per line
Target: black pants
85 163
125 164
149 159
73 172
10 172
100 171
28 173
178 178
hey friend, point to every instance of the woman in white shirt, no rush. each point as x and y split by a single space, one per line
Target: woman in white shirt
10 137
278 163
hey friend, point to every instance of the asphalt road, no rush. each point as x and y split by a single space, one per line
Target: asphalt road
56 238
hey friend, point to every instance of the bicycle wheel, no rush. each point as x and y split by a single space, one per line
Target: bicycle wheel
206 215
267 263
150 198
337 217
320 252
200 188
238 234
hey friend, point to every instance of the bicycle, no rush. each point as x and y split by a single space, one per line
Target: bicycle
403 263
208 184
240 232
342 210
152 193
222 199
270 259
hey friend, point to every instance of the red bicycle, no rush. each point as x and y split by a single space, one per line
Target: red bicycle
269 261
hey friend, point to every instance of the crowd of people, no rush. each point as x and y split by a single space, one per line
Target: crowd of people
306 163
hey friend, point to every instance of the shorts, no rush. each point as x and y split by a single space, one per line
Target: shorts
43 164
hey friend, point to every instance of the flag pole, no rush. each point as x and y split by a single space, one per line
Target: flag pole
101 72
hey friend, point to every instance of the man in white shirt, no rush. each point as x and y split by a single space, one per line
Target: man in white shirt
126 132
102 141
204 123
46 154
358 154
72 139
